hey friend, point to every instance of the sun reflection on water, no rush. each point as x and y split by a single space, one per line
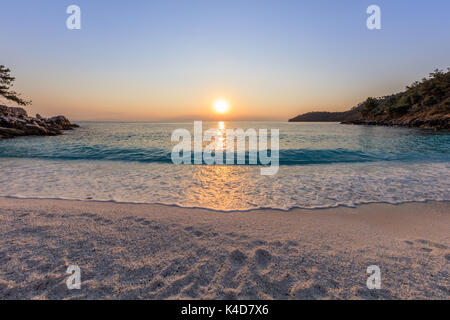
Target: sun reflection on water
221 186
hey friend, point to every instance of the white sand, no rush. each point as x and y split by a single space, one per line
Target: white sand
129 251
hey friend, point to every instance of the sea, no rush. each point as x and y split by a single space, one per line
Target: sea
321 165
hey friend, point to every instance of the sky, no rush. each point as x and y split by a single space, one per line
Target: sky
162 60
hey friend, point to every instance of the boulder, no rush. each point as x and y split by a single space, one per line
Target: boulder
11 132
35 129
61 122
16 122
13 111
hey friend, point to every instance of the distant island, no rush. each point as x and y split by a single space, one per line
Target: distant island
424 104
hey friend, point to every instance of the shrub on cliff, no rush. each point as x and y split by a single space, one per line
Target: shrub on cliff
429 96
369 107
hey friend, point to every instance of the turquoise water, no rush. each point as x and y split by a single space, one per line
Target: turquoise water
322 165
300 143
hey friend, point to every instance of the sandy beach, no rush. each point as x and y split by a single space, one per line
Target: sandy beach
137 251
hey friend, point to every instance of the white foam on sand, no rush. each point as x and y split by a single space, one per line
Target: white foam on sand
226 187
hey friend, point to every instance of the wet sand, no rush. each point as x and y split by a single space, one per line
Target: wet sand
140 251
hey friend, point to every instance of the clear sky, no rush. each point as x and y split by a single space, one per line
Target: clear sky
157 60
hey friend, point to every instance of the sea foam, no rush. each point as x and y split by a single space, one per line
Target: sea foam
226 187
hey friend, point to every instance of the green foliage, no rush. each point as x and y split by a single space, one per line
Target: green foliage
429 101
404 100
431 95
369 106
6 82
390 101
398 110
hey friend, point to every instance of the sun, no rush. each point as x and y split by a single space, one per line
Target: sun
221 106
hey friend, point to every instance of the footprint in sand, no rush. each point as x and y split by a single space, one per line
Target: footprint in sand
238 258
432 244
262 258
315 291
429 246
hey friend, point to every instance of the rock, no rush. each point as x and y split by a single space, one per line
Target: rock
61 121
11 132
34 129
435 123
15 112
16 122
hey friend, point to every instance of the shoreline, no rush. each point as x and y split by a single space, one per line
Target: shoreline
149 251
254 210
436 124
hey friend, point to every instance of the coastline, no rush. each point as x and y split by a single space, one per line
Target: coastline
436 124
253 210
152 251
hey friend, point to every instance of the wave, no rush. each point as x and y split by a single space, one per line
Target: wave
286 157
227 188
284 209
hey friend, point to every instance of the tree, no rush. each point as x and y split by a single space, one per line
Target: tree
6 82
369 105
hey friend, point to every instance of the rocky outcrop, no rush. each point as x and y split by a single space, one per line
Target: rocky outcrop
16 122
436 123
